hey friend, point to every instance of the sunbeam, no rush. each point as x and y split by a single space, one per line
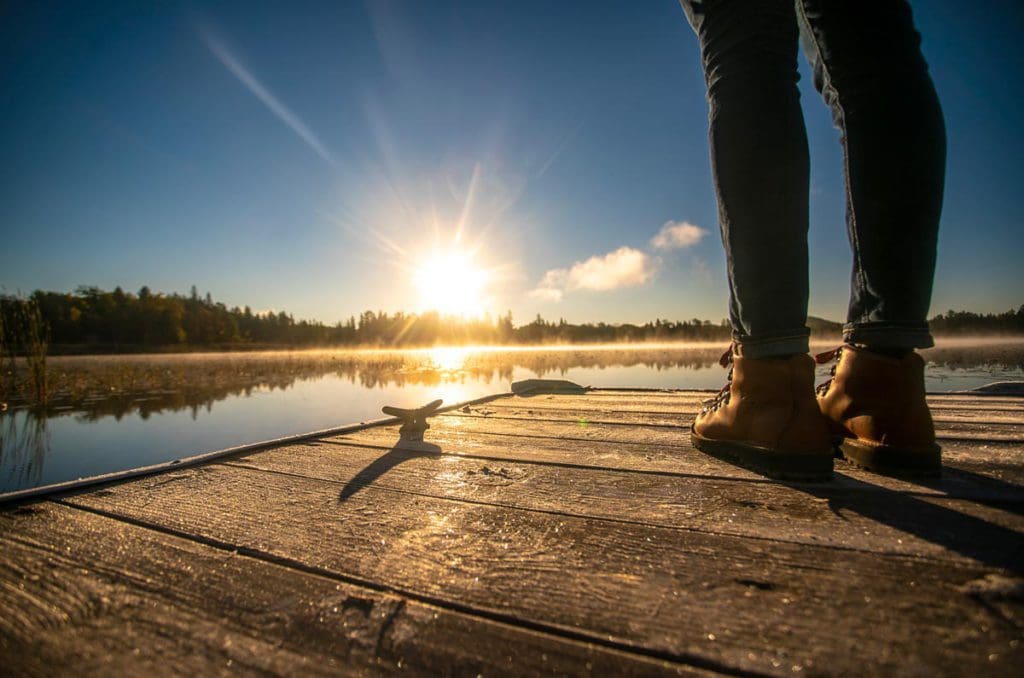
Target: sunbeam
282 112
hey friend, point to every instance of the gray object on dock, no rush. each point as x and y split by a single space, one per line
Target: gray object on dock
414 421
1011 388
537 386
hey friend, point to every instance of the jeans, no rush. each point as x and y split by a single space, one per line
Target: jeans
868 67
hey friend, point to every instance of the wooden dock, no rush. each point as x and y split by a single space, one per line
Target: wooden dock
553 534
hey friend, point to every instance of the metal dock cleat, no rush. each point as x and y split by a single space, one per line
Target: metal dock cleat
414 421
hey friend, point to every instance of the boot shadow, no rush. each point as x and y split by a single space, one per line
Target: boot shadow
970 536
958 483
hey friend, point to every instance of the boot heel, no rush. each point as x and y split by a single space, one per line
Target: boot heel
771 463
923 462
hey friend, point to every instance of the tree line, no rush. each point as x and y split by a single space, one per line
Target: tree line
953 323
96 319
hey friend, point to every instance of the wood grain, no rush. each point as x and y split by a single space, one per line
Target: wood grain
961 425
668 447
683 594
103 596
849 514
571 535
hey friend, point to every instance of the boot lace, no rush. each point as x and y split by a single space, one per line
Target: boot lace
722 397
830 356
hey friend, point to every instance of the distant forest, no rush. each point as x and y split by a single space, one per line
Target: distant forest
98 320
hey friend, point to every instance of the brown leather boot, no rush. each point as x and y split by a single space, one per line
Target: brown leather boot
876 407
766 419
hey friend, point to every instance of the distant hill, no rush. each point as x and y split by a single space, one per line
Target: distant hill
950 323
822 326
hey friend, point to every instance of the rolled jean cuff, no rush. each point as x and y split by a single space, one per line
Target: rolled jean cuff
888 335
771 347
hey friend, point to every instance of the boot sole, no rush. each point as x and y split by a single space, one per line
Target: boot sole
775 464
921 462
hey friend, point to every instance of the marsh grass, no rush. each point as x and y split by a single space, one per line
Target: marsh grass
7 375
24 333
34 337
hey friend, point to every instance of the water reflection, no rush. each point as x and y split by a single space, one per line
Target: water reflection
115 386
448 358
116 412
24 441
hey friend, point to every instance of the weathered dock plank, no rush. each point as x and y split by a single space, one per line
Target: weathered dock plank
760 604
1001 460
549 534
681 463
644 400
838 514
667 449
110 597
958 421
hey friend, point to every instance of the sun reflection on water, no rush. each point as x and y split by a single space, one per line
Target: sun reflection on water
449 358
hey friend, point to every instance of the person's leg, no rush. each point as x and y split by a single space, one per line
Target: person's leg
766 418
760 165
868 66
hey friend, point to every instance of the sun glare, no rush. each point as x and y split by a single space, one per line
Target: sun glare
448 358
451 283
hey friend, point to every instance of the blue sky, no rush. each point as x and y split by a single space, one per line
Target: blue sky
309 156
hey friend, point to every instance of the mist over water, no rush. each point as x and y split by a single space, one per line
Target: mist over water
112 413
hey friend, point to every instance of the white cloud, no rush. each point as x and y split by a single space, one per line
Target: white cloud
625 267
676 235
547 293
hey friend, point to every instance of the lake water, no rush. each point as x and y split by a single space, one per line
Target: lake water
113 413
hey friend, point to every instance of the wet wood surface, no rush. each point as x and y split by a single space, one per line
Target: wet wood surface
562 534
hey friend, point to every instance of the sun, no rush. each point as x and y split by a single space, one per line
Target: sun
450 282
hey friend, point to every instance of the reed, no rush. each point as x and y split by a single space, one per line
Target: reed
35 344
24 332
7 376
